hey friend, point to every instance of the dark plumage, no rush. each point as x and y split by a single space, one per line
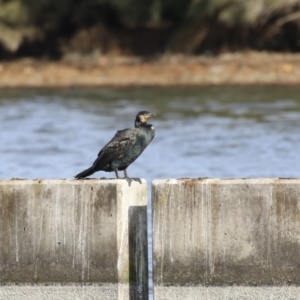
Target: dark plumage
124 148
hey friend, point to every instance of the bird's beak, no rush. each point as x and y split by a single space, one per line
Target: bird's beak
150 115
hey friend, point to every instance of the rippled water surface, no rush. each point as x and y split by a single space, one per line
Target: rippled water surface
200 132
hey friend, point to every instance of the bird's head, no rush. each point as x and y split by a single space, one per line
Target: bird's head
142 118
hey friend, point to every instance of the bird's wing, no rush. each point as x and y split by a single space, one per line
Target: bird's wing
116 147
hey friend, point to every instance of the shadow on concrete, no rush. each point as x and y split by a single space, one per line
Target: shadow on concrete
138 253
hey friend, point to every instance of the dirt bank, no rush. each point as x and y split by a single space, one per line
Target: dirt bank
233 69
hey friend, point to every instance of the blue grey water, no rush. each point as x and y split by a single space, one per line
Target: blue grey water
211 132
200 132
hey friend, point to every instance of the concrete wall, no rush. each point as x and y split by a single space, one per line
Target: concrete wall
225 232
75 232
213 239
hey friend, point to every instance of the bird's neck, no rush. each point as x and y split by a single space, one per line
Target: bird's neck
138 124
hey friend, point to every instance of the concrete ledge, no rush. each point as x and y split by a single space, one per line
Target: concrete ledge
228 293
222 232
75 231
106 291
109 291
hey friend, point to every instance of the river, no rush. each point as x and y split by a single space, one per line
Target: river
200 132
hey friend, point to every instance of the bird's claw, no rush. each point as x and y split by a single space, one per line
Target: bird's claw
129 180
138 180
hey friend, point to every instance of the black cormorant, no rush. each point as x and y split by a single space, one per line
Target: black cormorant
124 148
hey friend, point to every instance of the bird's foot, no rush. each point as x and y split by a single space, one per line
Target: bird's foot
138 180
129 180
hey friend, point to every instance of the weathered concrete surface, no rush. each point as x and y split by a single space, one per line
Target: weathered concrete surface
222 232
105 292
75 231
227 293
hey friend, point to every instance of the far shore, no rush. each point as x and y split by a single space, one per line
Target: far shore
242 68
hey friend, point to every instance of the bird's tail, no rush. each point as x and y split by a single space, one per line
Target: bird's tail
85 173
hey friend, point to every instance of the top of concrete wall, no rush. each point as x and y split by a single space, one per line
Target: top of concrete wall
67 181
224 180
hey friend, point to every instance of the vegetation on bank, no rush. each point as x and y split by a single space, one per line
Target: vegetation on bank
53 28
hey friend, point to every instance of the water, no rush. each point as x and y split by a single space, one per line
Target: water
200 132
